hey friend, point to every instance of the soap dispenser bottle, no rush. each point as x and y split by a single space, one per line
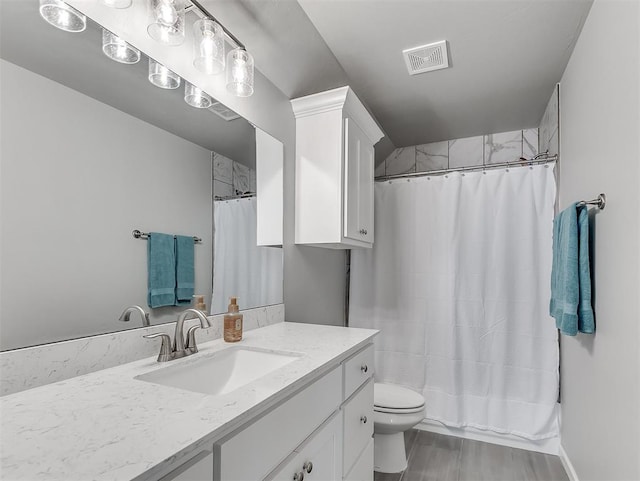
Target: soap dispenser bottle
233 322
198 303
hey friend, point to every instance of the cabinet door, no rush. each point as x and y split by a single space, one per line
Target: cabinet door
363 468
358 424
358 189
256 450
319 458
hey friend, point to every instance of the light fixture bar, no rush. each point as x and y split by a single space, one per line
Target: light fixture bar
206 13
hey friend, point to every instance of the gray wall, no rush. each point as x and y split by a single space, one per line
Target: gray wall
314 277
599 128
77 177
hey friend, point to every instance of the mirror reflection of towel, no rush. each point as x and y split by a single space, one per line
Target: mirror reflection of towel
185 271
161 266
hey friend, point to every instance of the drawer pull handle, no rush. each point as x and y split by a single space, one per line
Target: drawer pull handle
308 466
363 419
364 368
298 476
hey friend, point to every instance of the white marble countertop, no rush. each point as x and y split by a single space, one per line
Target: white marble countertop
109 426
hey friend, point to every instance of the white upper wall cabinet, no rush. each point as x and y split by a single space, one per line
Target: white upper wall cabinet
335 136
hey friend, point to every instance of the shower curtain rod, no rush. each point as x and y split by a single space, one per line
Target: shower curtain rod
234 197
519 163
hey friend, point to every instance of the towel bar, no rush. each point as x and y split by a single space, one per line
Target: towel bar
600 202
145 235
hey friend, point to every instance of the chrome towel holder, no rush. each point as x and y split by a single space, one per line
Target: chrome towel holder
599 202
145 235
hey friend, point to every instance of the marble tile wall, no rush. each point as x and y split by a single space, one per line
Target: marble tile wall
35 366
467 152
549 126
231 178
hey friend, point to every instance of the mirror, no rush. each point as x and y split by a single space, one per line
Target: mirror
91 151
247 229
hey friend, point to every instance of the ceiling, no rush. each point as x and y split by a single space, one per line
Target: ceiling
505 56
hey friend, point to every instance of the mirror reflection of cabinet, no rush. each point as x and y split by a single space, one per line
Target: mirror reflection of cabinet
334 170
269 181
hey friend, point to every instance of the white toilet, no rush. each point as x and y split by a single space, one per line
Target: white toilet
396 409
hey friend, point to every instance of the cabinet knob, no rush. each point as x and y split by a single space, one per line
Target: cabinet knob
365 231
298 476
364 368
363 419
308 466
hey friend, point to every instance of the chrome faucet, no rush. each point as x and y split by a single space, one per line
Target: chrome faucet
126 314
180 348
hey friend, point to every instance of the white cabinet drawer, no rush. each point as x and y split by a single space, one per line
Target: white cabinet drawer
358 424
255 451
319 458
363 468
357 370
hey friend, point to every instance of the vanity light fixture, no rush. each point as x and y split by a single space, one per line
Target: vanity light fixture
196 97
117 49
62 16
117 3
210 37
162 77
166 21
240 72
208 46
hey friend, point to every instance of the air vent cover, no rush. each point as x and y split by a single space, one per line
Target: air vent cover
223 111
426 58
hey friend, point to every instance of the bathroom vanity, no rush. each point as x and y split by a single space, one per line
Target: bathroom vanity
309 417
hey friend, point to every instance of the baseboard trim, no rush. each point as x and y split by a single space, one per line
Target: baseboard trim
546 446
568 466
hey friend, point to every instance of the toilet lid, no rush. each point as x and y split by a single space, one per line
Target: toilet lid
394 397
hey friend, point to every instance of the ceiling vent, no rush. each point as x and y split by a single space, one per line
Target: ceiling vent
426 58
223 111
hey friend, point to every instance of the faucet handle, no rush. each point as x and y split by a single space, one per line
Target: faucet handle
191 339
165 347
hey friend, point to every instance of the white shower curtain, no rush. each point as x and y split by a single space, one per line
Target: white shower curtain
458 283
241 268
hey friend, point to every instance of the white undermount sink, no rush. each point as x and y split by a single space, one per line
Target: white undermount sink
220 372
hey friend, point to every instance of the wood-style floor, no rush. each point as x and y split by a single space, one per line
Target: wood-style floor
436 457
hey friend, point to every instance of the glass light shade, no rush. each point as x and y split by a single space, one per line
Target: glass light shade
62 16
117 49
117 3
196 97
240 72
166 21
162 77
208 46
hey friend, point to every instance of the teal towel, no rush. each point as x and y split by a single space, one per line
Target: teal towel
185 271
161 266
570 303
586 320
